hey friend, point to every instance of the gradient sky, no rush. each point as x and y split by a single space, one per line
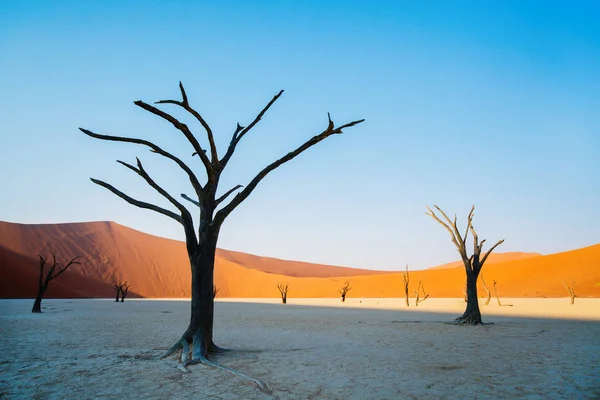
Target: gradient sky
466 102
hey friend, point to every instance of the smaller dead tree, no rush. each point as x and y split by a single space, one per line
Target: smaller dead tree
344 290
406 281
420 288
118 288
487 291
215 291
498 297
45 281
571 291
283 289
124 291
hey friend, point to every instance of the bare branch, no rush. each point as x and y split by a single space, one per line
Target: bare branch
220 199
188 198
186 132
156 149
241 131
489 252
185 214
445 225
73 261
241 196
137 203
186 105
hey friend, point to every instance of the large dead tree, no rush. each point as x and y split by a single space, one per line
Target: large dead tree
473 263
44 280
283 290
344 290
197 340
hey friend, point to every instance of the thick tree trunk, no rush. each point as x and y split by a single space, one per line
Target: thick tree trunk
472 315
37 305
200 329
284 299
117 298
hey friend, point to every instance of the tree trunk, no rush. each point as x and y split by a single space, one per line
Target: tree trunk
37 305
472 315
343 298
117 298
200 329
284 299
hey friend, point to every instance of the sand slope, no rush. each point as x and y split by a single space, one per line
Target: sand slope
158 267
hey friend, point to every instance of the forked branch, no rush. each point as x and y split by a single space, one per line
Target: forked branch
210 171
241 196
241 131
138 203
186 105
155 149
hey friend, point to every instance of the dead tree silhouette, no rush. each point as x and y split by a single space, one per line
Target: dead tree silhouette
406 281
571 291
44 281
118 287
344 290
473 264
283 290
215 291
498 297
124 291
420 288
197 343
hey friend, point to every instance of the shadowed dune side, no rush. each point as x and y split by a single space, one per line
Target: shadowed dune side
19 279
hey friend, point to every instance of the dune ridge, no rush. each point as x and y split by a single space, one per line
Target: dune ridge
158 267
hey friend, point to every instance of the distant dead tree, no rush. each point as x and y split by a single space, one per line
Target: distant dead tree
118 288
344 290
283 289
406 281
496 294
420 288
213 207
487 291
124 291
571 291
473 264
498 297
215 291
50 275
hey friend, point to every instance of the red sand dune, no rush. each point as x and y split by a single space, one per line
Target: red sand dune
158 267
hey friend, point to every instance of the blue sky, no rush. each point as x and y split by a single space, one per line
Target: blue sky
466 102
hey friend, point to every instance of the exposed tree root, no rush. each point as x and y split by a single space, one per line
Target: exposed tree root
469 319
198 357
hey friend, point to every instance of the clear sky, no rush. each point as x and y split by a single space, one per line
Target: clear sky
466 102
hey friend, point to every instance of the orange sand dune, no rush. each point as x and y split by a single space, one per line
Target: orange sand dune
291 268
158 267
494 258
